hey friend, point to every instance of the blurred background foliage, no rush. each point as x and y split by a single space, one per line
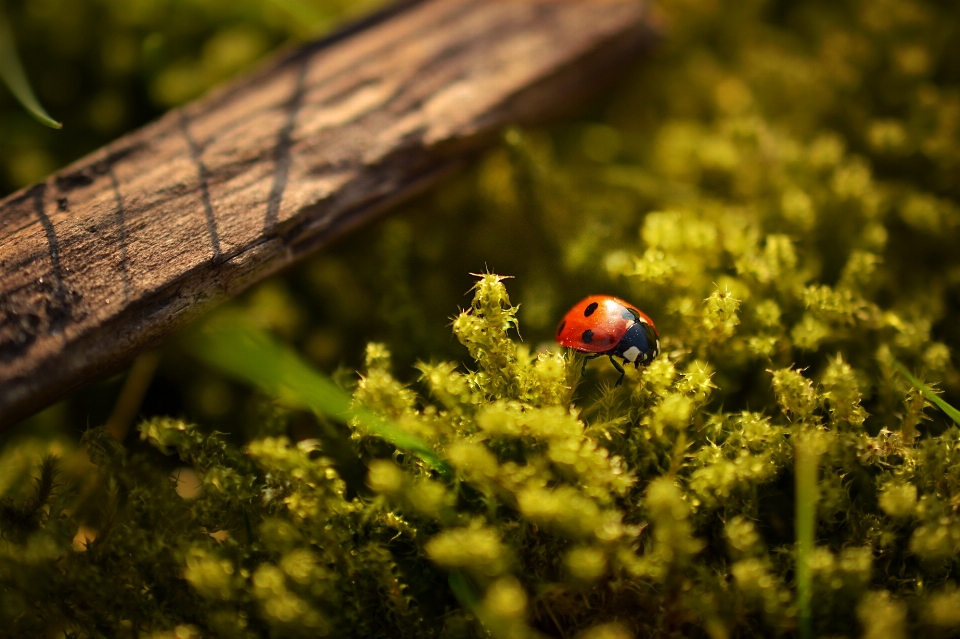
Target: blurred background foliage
103 67
776 186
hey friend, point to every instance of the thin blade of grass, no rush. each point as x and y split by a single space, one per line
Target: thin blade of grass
11 72
463 590
132 394
252 356
951 412
806 456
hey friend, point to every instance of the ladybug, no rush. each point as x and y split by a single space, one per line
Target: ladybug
605 325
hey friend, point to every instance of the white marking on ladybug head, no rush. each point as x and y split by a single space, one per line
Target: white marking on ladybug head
631 354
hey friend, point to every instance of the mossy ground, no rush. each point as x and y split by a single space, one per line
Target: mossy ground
776 188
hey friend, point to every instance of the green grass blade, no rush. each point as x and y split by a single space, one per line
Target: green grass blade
951 412
463 590
252 356
806 452
11 72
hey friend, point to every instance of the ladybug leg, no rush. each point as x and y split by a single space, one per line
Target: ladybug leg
587 358
619 370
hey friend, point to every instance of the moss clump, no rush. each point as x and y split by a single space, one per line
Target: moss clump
776 190
653 514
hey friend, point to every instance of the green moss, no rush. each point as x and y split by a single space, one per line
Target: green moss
776 189
549 522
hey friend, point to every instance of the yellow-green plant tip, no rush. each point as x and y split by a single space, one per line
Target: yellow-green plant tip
12 74
951 412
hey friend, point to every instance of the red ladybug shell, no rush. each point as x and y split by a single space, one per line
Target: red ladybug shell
596 324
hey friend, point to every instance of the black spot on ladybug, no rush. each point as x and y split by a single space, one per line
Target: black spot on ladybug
560 328
588 311
587 336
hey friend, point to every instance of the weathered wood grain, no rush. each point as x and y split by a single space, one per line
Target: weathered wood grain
119 249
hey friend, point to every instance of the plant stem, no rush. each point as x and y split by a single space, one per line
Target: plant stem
132 394
807 453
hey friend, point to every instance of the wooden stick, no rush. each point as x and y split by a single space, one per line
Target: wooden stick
107 256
